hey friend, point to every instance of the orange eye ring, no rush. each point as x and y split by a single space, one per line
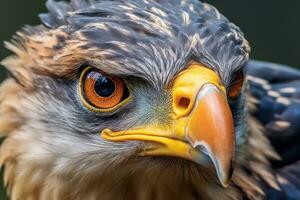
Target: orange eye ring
101 92
236 85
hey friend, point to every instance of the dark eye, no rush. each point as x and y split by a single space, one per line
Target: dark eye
102 91
104 86
236 84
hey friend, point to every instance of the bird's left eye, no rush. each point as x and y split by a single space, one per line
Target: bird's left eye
101 91
236 84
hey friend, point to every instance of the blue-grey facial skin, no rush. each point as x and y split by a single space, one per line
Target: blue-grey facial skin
146 105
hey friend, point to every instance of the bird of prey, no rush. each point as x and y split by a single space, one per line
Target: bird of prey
145 100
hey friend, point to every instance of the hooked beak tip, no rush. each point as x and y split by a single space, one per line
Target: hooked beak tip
224 170
224 176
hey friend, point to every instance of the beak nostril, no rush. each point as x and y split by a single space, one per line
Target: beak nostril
184 103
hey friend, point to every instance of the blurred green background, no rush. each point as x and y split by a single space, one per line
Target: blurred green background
271 26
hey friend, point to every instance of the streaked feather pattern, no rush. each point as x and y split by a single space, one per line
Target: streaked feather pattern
276 89
142 39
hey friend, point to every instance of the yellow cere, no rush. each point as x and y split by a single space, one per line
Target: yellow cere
187 85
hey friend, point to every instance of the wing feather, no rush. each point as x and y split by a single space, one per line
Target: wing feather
276 89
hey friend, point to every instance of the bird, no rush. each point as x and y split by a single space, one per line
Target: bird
145 100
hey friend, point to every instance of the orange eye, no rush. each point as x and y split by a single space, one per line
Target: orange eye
100 90
236 85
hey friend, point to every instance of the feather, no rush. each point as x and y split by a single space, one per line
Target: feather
78 4
58 12
10 119
151 41
289 178
276 89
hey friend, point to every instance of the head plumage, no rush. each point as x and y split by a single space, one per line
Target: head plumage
142 38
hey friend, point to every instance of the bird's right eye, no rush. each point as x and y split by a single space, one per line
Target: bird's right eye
100 91
236 84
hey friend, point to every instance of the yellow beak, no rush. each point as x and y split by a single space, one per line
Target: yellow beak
202 124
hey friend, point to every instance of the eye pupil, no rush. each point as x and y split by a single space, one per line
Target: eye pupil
104 86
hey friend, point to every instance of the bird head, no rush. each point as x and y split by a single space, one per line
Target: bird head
125 86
